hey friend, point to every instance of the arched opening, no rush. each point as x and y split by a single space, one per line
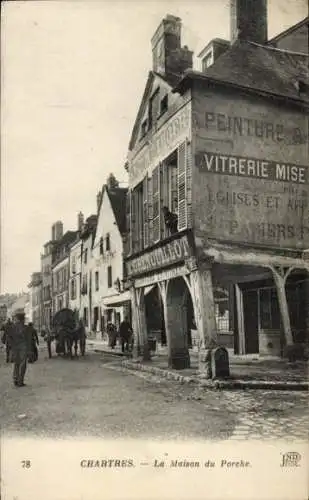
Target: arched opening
297 294
154 315
179 320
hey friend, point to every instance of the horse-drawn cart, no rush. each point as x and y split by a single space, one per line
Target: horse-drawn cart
68 331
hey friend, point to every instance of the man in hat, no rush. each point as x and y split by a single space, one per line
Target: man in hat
20 343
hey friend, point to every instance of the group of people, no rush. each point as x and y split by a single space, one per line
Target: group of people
21 344
125 334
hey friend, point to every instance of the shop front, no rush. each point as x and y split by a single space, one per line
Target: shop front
186 296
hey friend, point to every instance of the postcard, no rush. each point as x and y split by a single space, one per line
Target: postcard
154 306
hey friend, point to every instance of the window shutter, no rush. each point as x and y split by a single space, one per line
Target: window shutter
150 211
182 202
189 184
156 203
145 212
133 220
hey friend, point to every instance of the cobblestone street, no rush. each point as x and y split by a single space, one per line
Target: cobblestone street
95 396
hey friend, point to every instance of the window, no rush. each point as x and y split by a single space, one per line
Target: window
73 290
86 316
109 314
107 242
137 218
164 105
101 246
96 278
85 256
73 264
109 277
144 127
269 309
153 109
207 61
85 285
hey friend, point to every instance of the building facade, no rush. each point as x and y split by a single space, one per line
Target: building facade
61 270
87 272
35 299
47 261
109 300
218 193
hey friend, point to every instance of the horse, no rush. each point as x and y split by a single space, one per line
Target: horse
67 338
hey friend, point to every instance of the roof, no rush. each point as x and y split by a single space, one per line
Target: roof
170 79
289 30
117 198
256 68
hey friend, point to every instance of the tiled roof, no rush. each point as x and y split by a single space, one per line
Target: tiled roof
117 198
260 68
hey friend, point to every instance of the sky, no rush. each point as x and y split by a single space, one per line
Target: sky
73 74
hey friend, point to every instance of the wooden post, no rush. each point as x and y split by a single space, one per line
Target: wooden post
144 345
135 323
204 306
284 309
240 319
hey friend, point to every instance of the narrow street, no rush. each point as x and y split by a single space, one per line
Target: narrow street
94 396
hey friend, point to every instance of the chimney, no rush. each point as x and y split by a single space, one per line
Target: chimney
57 231
168 57
80 221
99 199
249 20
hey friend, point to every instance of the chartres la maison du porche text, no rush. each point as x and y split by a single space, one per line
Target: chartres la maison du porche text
179 463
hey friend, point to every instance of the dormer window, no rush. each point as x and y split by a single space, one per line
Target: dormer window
164 104
207 60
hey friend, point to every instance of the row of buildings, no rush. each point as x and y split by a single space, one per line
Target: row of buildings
213 246
83 269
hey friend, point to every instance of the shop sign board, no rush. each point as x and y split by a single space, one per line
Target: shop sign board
170 253
163 142
164 275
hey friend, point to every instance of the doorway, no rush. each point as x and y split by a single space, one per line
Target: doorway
251 321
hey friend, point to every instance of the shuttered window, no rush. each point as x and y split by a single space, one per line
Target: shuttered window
145 212
156 203
150 211
189 184
182 202
133 220
128 247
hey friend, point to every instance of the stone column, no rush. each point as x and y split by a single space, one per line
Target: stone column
175 317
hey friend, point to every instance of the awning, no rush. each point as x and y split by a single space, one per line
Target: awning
117 300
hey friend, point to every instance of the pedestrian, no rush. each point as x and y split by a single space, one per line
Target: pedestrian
126 332
5 340
48 338
82 335
20 343
33 334
112 334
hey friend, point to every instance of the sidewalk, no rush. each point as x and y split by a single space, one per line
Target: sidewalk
246 372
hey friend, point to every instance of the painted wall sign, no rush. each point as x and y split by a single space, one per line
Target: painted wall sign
163 142
252 167
251 176
250 126
172 252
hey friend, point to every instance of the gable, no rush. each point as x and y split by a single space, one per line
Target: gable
106 215
155 84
